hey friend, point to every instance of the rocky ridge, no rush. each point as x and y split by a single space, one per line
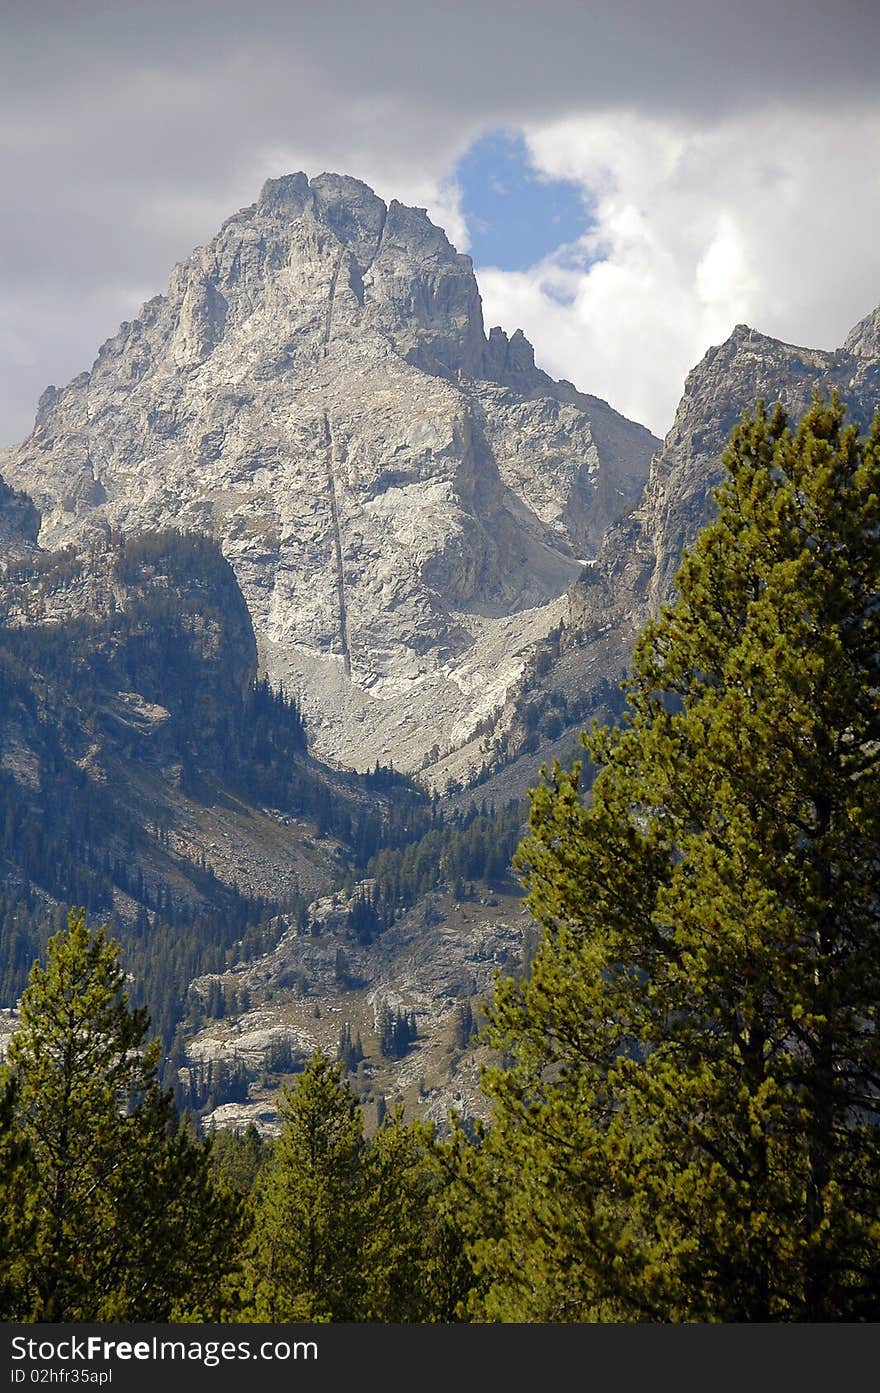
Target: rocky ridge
635 571
404 500
125 672
573 673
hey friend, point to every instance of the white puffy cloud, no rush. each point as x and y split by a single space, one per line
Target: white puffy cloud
767 217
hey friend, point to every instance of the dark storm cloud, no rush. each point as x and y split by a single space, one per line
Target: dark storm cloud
129 130
685 54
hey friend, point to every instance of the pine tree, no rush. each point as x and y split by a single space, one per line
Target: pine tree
304 1257
689 1127
414 1260
16 1233
349 1052
385 1032
237 1157
464 1026
125 1221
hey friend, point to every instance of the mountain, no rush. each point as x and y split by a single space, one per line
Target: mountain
441 557
404 500
424 961
148 774
126 692
572 675
641 553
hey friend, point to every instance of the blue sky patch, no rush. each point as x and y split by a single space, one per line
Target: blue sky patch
515 217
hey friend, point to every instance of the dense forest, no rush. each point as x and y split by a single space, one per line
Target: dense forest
685 1122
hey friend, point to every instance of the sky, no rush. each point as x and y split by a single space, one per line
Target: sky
632 179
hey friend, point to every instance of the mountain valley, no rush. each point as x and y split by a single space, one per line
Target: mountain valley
299 586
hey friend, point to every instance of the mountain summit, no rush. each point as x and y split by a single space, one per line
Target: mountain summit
404 500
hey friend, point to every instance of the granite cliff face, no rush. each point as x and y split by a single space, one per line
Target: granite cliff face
746 367
405 502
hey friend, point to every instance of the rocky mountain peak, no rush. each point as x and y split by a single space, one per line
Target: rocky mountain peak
863 341
403 500
285 197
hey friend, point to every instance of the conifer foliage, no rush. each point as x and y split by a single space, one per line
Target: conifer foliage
690 1126
119 1219
310 1215
347 1229
16 1230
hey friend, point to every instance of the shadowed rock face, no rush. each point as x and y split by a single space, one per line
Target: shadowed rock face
150 632
19 525
404 501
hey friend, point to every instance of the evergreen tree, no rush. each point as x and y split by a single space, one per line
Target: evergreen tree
689 1126
464 1025
349 1051
238 1157
126 1225
304 1256
17 1228
414 1260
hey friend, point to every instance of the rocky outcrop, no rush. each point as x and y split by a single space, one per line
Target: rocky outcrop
748 366
863 342
438 964
160 623
135 746
404 501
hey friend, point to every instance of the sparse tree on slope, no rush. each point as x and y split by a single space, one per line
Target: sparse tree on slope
689 1129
